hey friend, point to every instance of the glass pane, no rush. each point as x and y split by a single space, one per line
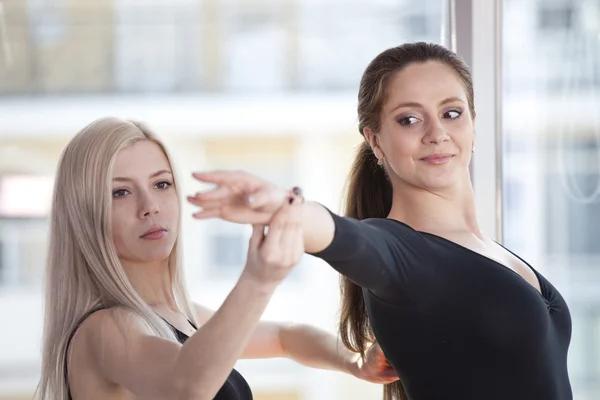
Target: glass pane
551 160
196 71
150 46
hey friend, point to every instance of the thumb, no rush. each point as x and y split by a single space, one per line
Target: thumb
258 234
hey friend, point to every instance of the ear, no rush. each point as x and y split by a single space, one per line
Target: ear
373 140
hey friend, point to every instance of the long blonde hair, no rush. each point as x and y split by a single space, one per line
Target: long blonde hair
83 269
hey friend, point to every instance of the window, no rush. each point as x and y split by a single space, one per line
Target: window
23 244
69 48
418 25
228 249
157 46
255 53
25 196
24 203
573 196
338 39
271 159
552 18
551 161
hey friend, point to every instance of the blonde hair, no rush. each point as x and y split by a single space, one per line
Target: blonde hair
83 269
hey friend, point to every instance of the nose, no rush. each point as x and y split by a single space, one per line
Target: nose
148 206
435 134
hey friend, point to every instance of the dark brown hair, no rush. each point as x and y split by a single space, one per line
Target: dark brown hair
369 191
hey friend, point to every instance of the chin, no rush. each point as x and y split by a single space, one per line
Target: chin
157 254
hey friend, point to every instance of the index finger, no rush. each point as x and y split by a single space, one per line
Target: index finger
223 177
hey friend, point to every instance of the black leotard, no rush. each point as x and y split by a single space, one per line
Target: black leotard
453 323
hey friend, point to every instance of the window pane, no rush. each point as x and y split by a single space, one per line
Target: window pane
551 160
337 39
124 46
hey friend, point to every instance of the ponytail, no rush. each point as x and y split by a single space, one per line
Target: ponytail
369 195
369 189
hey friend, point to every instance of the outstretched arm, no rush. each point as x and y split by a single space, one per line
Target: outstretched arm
312 347
364 252
244 198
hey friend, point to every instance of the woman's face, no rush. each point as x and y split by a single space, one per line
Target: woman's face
426 135
145 205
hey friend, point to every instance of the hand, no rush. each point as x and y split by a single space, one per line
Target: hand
272 256
375 368
238 197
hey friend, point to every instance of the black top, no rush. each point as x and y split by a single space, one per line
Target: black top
234 388
454 324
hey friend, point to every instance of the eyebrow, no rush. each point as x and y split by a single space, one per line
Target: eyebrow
419 105
154 175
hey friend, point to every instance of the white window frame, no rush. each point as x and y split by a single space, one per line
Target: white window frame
476 24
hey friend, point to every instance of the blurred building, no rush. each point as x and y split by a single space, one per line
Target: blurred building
270 86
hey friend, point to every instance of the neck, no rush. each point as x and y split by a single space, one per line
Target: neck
152 282
449 210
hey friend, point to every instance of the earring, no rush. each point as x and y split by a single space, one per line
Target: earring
380 161
473 149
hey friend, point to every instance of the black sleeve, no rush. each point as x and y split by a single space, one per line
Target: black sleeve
377 254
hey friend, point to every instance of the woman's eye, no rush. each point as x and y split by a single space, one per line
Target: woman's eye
452 114
163 185
119 192
406 121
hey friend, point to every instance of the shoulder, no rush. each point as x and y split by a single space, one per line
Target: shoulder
392 226
388 223
114 320
106 328
101 333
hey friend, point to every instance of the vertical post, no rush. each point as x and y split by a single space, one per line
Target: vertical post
478 33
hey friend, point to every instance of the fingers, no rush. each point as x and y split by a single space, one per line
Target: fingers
222 177
233 214
285 232
258 234
207 214
277 227
291 242
217 194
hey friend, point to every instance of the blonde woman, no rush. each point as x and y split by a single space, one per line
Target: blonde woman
119 322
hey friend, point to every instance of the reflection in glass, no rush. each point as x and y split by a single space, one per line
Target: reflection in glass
551 186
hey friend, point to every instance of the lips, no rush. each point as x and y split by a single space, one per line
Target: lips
439 158
154 232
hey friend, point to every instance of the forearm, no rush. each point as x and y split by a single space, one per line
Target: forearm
316 348
207 358
318 227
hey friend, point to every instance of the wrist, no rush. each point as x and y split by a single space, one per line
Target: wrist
352 365
350 361
256 285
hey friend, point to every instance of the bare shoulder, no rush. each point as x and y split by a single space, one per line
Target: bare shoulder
104 332
108 324
115 354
